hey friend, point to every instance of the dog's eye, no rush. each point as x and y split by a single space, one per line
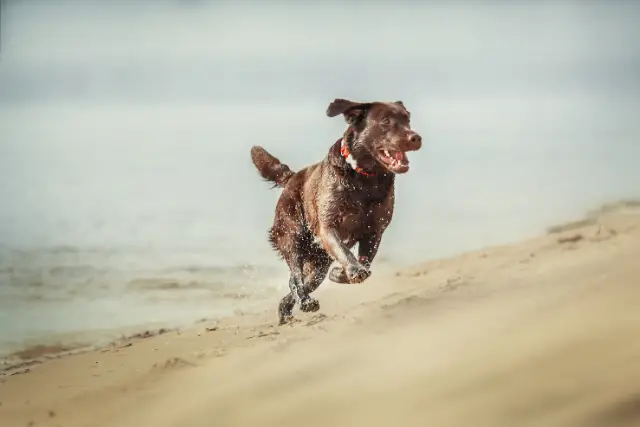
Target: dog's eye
385 121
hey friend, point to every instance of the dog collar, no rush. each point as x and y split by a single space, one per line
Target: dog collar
344 150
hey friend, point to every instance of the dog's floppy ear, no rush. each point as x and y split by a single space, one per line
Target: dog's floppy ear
351 110
400 103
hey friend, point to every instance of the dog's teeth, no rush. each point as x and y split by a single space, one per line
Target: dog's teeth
386 153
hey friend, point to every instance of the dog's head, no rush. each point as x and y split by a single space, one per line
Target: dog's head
382 133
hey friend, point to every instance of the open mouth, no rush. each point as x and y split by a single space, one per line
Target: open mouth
395 161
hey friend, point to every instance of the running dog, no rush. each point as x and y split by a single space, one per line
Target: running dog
347 198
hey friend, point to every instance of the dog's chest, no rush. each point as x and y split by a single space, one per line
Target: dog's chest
358 207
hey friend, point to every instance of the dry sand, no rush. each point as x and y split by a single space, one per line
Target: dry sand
541 333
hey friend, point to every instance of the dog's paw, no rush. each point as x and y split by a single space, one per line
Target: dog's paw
358 273
309 305
338 275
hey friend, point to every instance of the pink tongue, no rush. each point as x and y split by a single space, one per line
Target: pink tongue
399 155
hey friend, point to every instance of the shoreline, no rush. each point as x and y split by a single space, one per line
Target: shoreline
102 334
35 353
58 347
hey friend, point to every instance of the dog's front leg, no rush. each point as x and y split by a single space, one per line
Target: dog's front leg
367 250
378 220
355 272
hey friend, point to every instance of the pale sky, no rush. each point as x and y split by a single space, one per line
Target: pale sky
88 31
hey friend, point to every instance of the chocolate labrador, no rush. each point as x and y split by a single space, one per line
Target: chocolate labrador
347 198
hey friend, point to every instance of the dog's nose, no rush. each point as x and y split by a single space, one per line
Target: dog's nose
415 141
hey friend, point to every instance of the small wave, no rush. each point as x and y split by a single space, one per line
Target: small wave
177 288
74 271
62 277
245 270
164 284
41 350
64 249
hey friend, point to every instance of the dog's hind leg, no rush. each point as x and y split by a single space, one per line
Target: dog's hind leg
315 265
297 292
297 286
315 270
285 308
288 236
285 235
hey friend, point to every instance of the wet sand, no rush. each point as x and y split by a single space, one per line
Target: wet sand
539 333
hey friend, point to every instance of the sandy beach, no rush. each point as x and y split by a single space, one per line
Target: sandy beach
538 333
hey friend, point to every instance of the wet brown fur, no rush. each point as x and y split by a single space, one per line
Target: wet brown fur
326 208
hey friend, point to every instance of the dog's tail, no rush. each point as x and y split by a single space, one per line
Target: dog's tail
269 167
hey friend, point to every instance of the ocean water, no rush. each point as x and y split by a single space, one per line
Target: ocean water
127 195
